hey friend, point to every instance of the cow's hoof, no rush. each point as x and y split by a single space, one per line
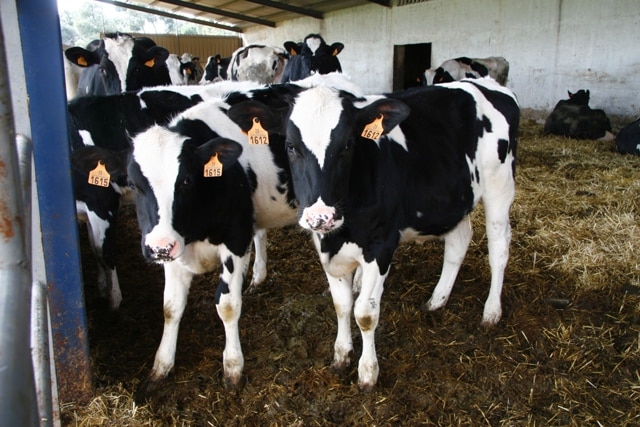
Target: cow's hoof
235 383
366 387
146 389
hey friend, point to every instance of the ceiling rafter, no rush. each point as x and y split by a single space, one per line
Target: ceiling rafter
221 12
289 8
170 15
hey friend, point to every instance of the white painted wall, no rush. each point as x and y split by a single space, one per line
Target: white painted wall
552 45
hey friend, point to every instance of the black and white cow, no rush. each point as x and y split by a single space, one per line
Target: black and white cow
215 69
370 172
451 70
119 63
180 72
574 118
108 122
313 55
192 220
628 139
258 63
97 205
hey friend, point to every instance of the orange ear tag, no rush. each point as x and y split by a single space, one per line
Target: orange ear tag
99 176
213 168
82 61
374 129
150 63
257 135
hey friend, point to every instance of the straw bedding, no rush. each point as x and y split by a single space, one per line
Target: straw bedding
566 352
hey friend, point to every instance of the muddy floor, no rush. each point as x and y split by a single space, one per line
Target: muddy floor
566 352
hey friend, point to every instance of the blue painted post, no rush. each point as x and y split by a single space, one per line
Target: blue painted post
41 46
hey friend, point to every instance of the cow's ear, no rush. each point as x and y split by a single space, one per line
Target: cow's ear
228 151
243 114
292 47
155 56
336 48
391 111
81 57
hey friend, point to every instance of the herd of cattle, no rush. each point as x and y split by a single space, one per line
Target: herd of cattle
273 137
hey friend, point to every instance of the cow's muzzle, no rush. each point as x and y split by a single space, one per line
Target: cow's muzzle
320 219
161 254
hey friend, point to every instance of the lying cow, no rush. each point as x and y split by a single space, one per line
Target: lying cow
628 139
456 69
574 118
313 55
257 63
370 172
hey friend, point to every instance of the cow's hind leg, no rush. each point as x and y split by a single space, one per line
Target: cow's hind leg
456 243
496 206
260 260
102 239
229 306
176 289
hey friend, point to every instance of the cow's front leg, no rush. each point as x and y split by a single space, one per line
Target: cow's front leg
229 306
177 281
340 287
367 314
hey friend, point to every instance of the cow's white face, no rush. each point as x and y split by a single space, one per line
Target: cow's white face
120 50
156 152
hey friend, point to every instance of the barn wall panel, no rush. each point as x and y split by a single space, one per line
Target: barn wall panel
201 46
552 45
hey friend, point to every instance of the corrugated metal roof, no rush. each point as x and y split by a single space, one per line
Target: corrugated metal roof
236 15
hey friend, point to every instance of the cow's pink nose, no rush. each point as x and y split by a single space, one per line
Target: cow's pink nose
163 252
321 219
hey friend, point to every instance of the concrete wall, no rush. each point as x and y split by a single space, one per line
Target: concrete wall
552 45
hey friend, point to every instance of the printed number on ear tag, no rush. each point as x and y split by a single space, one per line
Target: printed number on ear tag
99 176
374 129
257 135
213 168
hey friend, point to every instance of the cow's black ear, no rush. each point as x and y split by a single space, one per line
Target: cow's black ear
392 111
336 48
228 151
244 113
292 48
155 56
81 57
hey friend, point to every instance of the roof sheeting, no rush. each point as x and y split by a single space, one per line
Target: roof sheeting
236 15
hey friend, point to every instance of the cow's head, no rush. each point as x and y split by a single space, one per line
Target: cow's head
121 63
313 55
324 131
173 196
581 97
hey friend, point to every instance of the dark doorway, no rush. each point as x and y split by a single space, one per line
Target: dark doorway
409 62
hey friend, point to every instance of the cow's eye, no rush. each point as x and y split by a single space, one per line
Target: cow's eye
291 150
187 181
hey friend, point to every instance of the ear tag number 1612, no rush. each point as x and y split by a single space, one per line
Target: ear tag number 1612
257 134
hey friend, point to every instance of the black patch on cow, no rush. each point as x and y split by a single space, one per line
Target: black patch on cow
228 263
477 175
223 288
163 105
503 149
253 179
628 139
195 129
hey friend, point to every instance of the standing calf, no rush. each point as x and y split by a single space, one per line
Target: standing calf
370 172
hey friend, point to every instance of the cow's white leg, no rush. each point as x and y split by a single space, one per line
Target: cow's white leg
496 206
229 306
177 281
260 260
456 243
367 315
340 288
